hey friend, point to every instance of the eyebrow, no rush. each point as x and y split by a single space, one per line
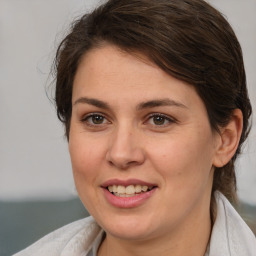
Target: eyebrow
159 103
141 106
94 102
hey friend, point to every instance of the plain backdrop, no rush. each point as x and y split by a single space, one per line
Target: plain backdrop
34 161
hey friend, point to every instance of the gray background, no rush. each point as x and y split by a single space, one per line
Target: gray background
34 161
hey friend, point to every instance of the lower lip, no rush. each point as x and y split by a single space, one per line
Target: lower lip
128 202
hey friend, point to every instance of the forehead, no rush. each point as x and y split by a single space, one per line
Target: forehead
110 72
109 61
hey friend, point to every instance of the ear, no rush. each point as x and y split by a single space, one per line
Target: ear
229 139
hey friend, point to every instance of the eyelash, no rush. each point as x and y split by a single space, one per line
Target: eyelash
91 115
165 117
105 120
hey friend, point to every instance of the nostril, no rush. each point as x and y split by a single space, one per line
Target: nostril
110 163
122 164
123 154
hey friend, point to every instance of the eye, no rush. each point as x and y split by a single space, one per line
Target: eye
94 119
160 120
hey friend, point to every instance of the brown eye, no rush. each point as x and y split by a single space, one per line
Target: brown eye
160 120
97 119
94 119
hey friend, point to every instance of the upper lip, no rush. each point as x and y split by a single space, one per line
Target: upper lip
126 183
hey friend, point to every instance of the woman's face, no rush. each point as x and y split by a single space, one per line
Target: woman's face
144 135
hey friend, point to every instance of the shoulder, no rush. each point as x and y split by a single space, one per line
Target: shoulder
72 239
230 234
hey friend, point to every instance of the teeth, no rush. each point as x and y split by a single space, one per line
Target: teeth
124 195
130 190
120 189
144 188
114 188
138 188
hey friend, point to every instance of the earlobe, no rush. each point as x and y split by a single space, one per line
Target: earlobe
229 139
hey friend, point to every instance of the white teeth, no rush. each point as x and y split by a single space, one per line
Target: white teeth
130 190
144 188
138 188
115 188
125 195
120 189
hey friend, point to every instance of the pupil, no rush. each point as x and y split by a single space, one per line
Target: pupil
159 120
97 119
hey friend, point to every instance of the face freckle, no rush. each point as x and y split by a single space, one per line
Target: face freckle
175 155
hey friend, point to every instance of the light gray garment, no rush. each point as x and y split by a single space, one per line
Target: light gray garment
230 237
230 234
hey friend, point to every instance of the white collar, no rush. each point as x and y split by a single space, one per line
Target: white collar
230 235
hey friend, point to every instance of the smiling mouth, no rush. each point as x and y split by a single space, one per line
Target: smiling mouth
129 191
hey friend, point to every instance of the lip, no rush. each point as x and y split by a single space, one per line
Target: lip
127 202
126 183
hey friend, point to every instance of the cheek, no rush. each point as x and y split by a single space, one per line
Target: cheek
86 161
183 161
85 158
185 167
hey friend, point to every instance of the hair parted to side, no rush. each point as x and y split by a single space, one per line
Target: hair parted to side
188 39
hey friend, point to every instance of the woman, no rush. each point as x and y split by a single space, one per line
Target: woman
153 97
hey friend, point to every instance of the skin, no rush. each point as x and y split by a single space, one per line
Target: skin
177 154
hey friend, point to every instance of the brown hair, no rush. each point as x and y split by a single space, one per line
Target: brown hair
188 39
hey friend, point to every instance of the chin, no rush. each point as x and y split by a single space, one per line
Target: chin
127 233
128 227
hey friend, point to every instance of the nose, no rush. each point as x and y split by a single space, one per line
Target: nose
125 149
